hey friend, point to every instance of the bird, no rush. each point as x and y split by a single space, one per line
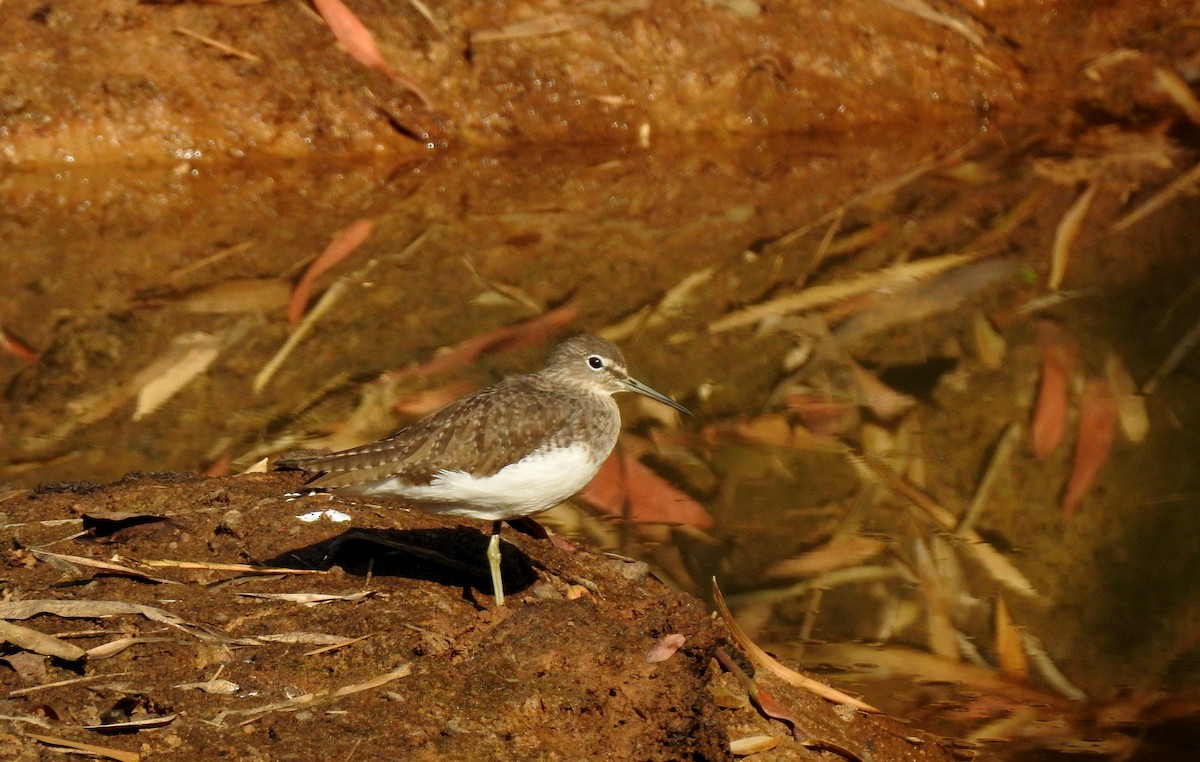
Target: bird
510 450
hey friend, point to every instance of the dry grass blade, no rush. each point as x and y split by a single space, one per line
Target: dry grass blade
837 553
30 639
335 646
277 706
61 683
87 748
671 304
924 11
1180 91
1047 670
125 571
921 666
997 465
766 661
542 26
1174 358
404 670
322 638
943 640
212 259
227 49
856 575
327 300
427 14
1066 233
820 296
1176 188
114 647
993 562
212 565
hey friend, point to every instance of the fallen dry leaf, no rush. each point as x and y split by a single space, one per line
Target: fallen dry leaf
1058 352
885 402
1009 651
665 648
1131 406
1066 233
1097 430
145 723
343 245
837 553
30 667
30 639
239 295
114 647
216 686
311 599
188 356
989 344
744 747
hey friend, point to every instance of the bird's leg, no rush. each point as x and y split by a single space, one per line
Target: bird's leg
493 556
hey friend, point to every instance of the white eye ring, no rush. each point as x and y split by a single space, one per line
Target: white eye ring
595 362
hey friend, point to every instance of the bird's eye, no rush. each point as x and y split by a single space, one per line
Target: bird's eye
596 362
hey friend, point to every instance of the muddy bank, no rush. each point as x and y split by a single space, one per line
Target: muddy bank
339 644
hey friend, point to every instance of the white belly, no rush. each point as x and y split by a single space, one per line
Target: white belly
534 484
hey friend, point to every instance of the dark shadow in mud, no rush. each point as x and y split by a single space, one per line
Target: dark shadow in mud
453 557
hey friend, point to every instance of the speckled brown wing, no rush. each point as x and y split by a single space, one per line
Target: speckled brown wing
480 434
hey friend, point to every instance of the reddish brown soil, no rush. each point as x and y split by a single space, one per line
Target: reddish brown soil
561 672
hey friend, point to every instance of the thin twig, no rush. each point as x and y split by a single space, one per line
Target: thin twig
1178 352
227 49
1004 449
1177 187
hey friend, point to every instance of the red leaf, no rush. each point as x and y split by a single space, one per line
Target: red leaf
17 348
343 244
1058 353
525 334
431 400
606 491
626 489
654 500
1097 430
357 40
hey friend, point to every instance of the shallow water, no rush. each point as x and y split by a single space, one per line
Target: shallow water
106 268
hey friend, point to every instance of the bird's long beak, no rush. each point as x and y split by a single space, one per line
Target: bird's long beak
633 385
